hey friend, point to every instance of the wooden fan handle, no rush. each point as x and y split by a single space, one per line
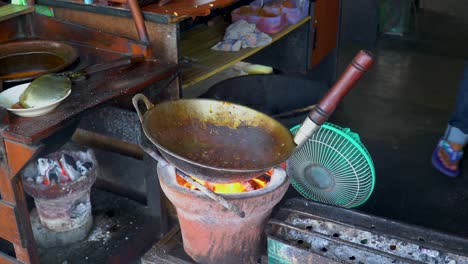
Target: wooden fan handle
360 64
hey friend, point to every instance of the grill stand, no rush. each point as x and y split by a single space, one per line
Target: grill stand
308 232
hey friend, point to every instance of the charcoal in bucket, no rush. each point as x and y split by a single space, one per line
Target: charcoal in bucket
60 184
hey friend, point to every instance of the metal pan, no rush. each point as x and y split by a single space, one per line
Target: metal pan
221 142
26 60
208 138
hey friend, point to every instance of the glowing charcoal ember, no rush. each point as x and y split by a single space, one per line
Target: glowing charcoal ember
39 179
64 169
69 165
236 187
53 175
43 165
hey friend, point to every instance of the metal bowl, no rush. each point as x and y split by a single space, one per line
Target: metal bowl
26 60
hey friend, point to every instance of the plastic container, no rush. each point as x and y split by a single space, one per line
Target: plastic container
269 20
294 10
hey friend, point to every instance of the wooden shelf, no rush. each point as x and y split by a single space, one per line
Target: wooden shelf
203 62
11 11
179 10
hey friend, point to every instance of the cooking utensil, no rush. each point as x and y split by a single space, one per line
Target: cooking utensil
201 187
52 87
332 167
26 60
202 137
223 142
294 112
319 115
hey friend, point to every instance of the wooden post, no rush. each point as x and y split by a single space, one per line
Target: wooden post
14 215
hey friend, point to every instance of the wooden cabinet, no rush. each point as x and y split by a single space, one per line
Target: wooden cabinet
325 29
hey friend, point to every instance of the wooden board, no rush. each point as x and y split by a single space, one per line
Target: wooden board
327 16
5 259
203 62
9 229
10 11
179 10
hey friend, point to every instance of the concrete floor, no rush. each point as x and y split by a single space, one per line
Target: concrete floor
400 109
118 223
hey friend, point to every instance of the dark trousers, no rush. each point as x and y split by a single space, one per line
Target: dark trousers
457 130
460 116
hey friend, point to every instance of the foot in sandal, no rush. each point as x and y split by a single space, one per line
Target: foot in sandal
446 157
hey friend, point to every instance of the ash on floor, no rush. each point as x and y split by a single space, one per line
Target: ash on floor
118 223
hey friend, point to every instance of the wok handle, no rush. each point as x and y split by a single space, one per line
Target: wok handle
136 99
107 66
155 155
360 64
320 114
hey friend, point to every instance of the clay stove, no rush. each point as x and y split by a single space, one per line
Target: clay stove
213 234
63 214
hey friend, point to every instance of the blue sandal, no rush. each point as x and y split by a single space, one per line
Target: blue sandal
454 156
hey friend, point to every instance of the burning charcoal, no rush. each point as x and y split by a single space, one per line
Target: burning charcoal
40 179
43 165
248 187
84 167
69 165
54 174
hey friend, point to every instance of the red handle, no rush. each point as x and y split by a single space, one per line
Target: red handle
360 64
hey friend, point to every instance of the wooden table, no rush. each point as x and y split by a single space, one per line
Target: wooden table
22 139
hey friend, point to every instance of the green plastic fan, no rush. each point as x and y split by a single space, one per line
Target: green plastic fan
333 167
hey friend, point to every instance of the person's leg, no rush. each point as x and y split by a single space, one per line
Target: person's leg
459 119
447 156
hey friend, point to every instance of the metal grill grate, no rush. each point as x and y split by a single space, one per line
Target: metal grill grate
305 232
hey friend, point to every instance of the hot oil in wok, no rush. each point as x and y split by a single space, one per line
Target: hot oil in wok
244 147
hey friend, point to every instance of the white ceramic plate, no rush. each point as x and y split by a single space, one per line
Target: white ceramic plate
11 96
